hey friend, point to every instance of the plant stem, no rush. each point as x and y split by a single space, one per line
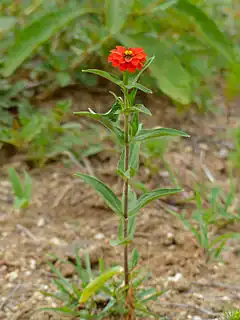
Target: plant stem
126 182
125 195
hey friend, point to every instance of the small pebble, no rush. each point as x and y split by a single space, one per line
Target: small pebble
58 242
99 236
164 174
33 264
196 318
223 153
175 278
41 222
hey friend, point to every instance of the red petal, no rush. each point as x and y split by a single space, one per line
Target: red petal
121 49
131 68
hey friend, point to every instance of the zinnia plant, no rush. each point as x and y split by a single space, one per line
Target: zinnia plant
119 287
130 137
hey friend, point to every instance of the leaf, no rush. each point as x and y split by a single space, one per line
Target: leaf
147 197
134 259
225 237
98 283
64 281
116 13
88 266
213 35
105 75
140 87
37 33
170 75
66 310
147 64
164 6
146 134
141 108
52 295
105 121
133 160
136 126
115 243
16 182
131 227
27 186
110 198
121 229
79 268
6 23
153 297
20 203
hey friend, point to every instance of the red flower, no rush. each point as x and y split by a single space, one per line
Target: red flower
127 59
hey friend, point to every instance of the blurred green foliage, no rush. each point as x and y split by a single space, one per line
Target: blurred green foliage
45 45
53 40
44 135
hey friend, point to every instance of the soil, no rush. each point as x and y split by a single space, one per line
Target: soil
65 212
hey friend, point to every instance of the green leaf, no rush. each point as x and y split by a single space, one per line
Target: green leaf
170 75
134 259
153 297
213 35
113 113
37 33
98 283
27 186
116 13
144 199
62 288
6 23
110 198
141 108
105 75
88 266
133 160
80 270
132 198
147 64
147 134
16 183
131 227
52 295
105 121
136 126
115 243
121 229
140 87
66 310
20 203
67 285
164 6
225 237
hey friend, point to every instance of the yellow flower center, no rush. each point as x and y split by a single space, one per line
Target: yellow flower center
128 53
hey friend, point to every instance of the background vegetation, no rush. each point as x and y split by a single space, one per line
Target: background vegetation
44 45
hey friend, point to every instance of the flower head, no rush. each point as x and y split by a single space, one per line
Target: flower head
127 59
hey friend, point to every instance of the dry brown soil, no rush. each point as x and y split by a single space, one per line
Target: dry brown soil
64 212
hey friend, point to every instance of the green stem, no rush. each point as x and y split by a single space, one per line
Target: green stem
126 182
125 197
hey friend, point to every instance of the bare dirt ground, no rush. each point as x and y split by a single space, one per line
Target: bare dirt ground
65 212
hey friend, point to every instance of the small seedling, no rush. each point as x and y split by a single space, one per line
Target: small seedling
96 294
201 227
22 189
231 315
44 135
